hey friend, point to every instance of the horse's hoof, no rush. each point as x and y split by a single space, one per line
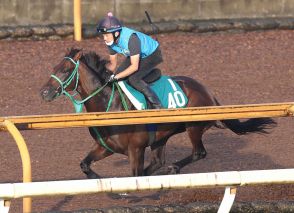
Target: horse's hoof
172 170
199 155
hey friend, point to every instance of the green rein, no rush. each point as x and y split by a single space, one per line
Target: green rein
78 104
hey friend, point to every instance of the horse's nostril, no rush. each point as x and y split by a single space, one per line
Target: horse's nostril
44 92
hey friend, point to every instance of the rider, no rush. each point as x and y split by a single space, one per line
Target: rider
142 55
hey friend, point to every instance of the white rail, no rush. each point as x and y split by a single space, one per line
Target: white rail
128 184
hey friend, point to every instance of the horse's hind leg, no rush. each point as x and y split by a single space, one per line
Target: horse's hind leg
96 154
195 134
136 158
157 159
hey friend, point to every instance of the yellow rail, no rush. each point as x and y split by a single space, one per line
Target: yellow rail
152 116
15 123
25 159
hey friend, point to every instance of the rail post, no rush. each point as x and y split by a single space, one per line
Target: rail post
228 200
25 158
77 20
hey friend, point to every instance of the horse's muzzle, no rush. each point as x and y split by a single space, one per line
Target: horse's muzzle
48 93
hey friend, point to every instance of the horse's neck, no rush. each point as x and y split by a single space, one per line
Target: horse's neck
89 83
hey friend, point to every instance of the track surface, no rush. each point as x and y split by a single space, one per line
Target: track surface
245 68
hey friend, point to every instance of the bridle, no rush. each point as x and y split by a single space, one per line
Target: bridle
78 104
64 84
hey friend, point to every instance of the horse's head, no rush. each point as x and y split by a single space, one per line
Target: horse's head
64 77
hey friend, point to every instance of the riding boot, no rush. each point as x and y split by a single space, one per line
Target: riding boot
152 97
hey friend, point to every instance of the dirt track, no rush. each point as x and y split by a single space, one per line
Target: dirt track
255 67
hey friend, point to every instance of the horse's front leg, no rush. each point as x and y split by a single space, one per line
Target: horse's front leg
136 158
98 153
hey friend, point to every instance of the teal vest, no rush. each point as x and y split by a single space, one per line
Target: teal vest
148 44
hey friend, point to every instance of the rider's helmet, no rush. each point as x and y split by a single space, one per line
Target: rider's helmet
109 24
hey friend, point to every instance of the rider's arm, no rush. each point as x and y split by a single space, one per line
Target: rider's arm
135 59
112 63
135 50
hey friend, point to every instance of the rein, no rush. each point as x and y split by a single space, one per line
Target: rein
78 104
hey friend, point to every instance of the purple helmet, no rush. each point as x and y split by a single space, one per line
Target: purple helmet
109 24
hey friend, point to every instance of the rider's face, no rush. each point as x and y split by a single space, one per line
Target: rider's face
108 37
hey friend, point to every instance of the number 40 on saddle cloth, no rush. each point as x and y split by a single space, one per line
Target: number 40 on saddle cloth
168 91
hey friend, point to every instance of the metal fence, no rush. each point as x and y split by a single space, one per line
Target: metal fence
27 190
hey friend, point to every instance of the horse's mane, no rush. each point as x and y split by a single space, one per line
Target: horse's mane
94 62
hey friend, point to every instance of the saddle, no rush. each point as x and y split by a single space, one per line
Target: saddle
167 90
154 75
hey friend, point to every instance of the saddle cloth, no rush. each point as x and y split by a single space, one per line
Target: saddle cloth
168 91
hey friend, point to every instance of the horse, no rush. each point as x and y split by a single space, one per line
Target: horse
85 73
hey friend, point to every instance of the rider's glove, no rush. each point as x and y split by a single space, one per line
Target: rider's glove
111 79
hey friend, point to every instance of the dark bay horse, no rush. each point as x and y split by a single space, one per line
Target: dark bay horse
85 73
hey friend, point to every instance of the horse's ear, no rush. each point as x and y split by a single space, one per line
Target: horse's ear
67 51
78 55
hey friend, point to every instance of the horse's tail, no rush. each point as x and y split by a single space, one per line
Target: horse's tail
253 125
